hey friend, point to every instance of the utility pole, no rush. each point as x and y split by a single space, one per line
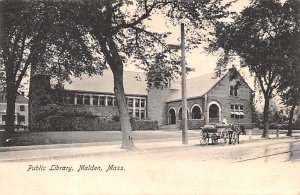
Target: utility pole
183 85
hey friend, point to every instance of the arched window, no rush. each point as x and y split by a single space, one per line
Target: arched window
213 111
172 116
196 112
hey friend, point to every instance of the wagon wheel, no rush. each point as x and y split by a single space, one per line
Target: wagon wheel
214 138
234 138
203 138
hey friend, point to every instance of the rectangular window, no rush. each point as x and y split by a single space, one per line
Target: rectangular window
142 114
22 108
87 100
21 119
233 90
80 99
102 101
130 102
3 118
130 111
71 99
137 113
110 101
95 100
237 111
137 103
143 103
115 102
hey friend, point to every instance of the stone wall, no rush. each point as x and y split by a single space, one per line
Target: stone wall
221 94
157 109
190 103
192 124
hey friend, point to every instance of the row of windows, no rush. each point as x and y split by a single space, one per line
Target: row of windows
237 111
103 101
140 114
19 119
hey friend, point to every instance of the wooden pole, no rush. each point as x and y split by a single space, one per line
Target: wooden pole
183 83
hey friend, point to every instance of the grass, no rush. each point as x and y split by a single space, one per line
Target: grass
68 137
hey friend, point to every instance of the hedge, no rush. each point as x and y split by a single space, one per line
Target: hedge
67 123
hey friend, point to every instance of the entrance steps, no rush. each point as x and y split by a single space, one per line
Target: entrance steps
168 127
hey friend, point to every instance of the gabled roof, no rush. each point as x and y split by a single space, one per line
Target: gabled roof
134 83
196 87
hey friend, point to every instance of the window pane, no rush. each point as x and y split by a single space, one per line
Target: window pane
231 90
22 108
137 114
87 100
241 107
130 102
102 101
143 103
232 107
71 99
21 118
115 102
235 91
79 99
95 100
142 114
109 101
137 103
130 111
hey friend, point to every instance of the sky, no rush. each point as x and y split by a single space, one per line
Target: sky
201 61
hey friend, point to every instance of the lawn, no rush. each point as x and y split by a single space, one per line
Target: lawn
68 137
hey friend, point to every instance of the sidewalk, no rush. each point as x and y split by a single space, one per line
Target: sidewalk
59 151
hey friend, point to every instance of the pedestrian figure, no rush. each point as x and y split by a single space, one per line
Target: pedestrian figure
224 121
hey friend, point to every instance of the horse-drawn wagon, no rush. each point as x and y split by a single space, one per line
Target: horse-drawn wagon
219 133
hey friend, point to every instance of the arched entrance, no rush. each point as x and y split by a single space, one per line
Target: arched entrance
214 112
172 116
196 112
180 113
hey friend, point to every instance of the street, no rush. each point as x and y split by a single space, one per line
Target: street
262 167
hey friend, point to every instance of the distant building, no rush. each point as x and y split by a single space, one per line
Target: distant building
21 109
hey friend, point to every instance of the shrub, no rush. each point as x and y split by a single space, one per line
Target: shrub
116 118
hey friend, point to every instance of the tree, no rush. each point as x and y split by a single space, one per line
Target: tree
256 35
120 34
36 34
290 81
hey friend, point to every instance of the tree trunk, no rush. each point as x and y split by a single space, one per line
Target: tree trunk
116 65
266 118
32 71
11 95
127 142
289 133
